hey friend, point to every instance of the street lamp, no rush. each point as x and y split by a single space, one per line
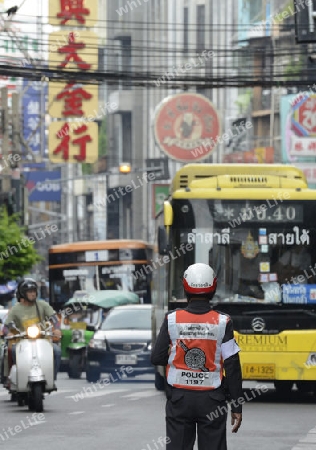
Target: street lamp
125 168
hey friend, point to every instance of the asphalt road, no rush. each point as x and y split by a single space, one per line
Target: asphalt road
129 414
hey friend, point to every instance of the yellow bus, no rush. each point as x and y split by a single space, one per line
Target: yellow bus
98 265
256 226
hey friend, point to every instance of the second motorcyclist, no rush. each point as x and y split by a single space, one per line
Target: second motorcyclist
30 311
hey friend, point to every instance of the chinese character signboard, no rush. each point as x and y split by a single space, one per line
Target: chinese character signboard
75 138
33 109
73 142
68 100
298 127
186 127
73 13
73 50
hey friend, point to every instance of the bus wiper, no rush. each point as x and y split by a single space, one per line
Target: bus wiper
270 311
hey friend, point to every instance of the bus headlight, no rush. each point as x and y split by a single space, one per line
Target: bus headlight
33 332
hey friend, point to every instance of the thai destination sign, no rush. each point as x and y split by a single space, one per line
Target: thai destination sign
299 293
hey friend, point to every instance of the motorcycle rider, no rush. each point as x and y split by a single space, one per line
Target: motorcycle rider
30 311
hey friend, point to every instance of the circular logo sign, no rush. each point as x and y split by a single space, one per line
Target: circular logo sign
195 358
186 127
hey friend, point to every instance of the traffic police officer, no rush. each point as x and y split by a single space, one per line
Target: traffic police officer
196 344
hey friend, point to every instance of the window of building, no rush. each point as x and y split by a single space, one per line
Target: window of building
200 34
186 30
127 136
126 58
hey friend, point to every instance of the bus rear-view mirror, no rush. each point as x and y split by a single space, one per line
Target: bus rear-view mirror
162 241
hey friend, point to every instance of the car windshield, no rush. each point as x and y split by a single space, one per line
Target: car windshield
128 319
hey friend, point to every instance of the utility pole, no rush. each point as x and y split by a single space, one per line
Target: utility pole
6 172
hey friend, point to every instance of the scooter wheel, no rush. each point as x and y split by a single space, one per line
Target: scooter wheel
37 397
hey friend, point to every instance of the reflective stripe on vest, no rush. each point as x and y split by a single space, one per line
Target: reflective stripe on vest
195 360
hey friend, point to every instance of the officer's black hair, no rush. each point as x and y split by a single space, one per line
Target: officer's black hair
206 297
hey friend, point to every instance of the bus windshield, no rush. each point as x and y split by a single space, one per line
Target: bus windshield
79 267
261 250
65 282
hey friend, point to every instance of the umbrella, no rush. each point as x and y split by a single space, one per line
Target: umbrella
106 299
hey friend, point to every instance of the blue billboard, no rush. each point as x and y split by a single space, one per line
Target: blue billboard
33 109
42 187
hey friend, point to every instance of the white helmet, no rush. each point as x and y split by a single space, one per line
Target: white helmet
199 279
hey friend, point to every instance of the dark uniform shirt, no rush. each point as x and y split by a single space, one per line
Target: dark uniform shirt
232 384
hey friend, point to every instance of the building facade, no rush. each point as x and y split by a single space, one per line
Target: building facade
156 39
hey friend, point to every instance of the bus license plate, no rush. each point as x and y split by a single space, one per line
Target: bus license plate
126 359
253 371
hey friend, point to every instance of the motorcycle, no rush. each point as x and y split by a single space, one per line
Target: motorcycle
33 373
77 330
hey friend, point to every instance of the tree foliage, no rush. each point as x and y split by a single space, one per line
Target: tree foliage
17 252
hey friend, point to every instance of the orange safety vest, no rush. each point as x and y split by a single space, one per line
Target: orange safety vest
195 359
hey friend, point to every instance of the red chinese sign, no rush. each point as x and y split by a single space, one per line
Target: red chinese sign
72 100
73 142
75 51
71 50
186 127
72 9
73 97
78 13
81 141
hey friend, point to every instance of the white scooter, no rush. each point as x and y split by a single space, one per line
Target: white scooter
33 373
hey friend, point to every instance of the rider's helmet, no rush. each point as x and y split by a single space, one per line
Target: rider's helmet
199 280
17 295
25 285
